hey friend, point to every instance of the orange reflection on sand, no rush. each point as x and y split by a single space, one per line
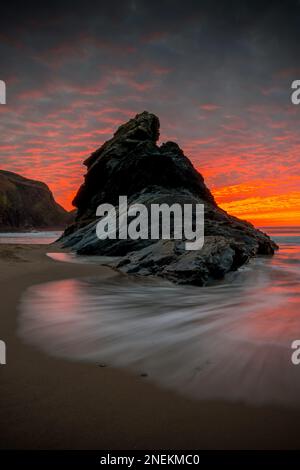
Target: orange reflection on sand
280 321
231 340
66 294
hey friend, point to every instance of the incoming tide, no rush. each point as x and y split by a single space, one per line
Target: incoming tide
230 341
30 238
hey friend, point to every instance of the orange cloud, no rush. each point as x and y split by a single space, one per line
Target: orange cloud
209 107
244 202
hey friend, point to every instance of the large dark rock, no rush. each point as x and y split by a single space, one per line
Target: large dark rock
132 164
27 204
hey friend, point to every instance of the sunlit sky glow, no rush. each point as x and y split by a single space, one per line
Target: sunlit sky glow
218 77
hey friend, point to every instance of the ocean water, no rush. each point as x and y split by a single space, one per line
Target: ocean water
229 341
30 238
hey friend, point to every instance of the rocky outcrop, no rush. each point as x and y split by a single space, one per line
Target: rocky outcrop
132 164
26 204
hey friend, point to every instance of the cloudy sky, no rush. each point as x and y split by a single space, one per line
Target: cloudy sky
217 73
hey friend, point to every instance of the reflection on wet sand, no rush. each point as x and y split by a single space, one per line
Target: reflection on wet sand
231 340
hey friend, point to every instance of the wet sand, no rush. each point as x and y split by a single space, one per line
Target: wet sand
49 403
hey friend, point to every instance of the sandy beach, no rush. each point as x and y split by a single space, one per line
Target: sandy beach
49 403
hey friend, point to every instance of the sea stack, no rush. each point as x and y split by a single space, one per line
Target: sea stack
132 164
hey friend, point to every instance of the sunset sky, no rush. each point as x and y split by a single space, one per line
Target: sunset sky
217 73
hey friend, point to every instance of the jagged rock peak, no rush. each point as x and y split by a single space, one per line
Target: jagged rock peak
132 164
143 127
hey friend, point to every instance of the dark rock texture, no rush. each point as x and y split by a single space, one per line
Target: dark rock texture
132 164
26 204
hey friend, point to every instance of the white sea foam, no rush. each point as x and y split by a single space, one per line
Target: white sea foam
231 340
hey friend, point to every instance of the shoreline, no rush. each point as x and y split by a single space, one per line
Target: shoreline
52 403
5 231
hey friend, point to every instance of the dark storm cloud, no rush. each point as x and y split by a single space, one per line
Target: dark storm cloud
215 51
218 74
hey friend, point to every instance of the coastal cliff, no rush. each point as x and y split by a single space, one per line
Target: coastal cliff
27 204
